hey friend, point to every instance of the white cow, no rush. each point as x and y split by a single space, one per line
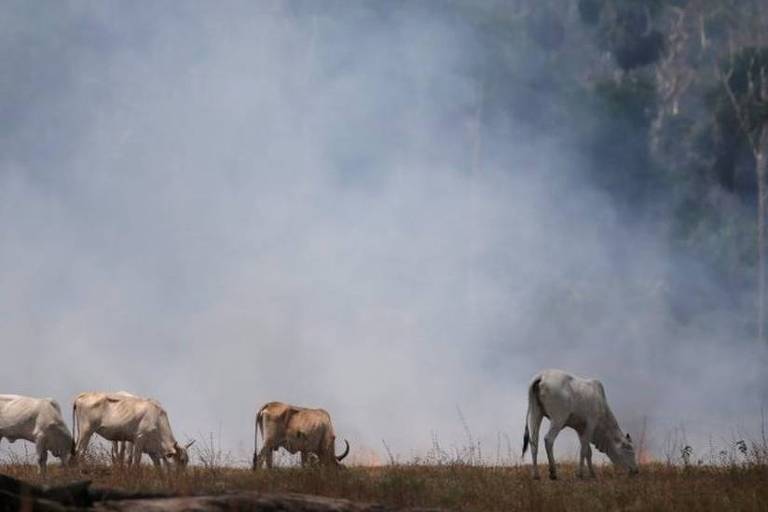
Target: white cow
118 417
570 401
37 420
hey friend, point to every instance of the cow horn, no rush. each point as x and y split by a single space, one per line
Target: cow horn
341 457
186 446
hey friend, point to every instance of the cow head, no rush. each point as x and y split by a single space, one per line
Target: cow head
61 444
63 452
179 455
624 453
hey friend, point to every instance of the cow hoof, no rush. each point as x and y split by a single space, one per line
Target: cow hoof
553 477
536 477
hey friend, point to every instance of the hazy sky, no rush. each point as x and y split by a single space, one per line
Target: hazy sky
219 205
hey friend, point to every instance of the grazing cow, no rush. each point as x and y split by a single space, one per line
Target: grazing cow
570 401
297 429
139 421
37 420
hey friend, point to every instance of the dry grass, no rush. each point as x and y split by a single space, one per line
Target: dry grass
459 487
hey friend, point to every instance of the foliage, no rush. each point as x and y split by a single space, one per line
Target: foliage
654 126
747 76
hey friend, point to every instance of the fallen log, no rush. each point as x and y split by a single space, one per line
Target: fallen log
246 502
79 497
14 502
71 495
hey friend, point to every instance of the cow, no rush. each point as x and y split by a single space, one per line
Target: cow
39 421
140 421
297 429
578 403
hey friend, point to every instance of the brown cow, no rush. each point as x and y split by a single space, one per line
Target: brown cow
297 429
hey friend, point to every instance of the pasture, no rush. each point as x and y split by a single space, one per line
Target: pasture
732 486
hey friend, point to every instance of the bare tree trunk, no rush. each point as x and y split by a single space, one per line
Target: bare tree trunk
761 168
758 143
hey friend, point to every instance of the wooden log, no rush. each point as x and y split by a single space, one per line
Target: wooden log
14 502
72 495
78 497
246 502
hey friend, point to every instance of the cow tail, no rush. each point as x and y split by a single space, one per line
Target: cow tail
74 427
533 401
526 436
259 425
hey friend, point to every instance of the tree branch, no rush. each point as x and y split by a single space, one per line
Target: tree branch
725 78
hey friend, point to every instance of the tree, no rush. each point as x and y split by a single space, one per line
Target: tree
745 81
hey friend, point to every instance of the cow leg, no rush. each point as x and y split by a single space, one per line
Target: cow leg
588 456
115 453
42 456
325 456
126 447
585 453
156 460
585 449
589 461
82 443
265 454
126 450
121 451
303 458
137 449
535 426
259 459
549 443
161 463
83 439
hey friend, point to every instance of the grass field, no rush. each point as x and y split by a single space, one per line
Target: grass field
458 487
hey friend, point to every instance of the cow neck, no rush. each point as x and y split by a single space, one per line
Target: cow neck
605 431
